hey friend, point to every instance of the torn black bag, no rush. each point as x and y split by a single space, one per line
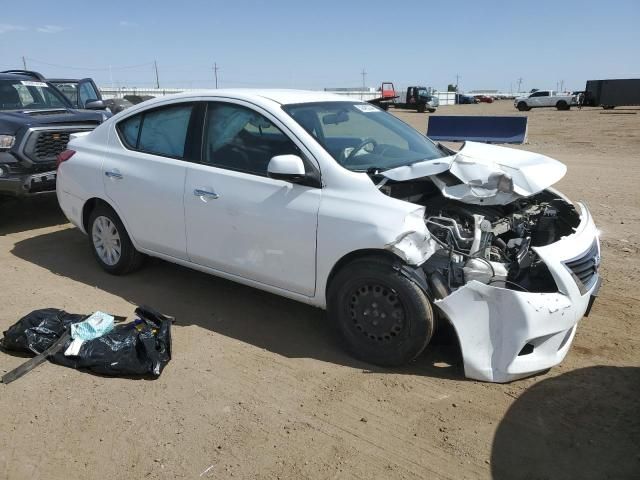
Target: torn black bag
138 348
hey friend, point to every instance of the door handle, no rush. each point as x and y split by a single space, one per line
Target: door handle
113 174
205 193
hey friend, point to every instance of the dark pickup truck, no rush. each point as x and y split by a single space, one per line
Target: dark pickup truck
36 121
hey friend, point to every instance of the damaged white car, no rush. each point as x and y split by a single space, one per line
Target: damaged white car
335 203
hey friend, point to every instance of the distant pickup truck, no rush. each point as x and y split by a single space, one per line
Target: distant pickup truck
544 98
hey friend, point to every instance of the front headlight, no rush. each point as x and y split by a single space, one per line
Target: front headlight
7 141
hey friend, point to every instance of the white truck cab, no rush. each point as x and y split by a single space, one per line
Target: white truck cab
544 98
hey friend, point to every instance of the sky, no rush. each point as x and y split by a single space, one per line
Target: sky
328 43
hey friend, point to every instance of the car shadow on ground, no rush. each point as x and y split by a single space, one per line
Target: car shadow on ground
268 321
19 215
584 424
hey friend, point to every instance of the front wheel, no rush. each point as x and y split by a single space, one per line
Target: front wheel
111 244
523 107
383 317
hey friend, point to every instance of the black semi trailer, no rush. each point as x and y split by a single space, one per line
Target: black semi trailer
612 93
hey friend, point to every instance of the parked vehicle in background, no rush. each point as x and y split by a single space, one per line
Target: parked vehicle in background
544 98
465 99
136 99
333 202
612 93
483 98
36 120
116 105
414 98
80 93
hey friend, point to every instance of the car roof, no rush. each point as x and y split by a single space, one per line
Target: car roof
64 80
283 97
15 76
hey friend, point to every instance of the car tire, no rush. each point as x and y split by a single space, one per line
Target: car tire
523 107
110 242
562 105
421 108
382 316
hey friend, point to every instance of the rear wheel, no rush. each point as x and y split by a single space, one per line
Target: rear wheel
562 105
523 107
383 317
421 108
111 244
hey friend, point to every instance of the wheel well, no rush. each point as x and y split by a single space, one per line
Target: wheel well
88 207
350 257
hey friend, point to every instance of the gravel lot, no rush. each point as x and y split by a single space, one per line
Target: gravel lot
258 388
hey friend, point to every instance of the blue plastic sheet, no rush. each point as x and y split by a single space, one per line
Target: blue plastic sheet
485 129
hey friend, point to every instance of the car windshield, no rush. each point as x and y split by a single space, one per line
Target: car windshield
362 137
69 89
29 94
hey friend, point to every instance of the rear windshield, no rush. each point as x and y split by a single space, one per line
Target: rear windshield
29 95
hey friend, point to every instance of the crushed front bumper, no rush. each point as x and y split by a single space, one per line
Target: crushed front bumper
507 334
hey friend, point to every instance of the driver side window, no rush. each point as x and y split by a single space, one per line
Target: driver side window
238 138
87 93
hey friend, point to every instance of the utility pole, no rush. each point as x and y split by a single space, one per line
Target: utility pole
457 81
562 85
364 74
519 85
215 72
155 65
24 63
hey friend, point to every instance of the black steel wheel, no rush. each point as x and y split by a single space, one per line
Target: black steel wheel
382 316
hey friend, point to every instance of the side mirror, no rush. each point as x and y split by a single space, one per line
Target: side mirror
286 167
94 105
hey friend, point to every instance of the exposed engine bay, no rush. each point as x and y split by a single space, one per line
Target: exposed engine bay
490 244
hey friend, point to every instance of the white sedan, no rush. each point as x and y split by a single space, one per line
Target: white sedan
338 204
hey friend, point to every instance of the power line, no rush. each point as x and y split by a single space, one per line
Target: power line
124 67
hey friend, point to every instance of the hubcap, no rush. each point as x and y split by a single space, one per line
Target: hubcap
376 312
106 240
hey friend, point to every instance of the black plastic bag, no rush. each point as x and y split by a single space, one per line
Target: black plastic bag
138 348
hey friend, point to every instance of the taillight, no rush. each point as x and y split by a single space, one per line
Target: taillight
64 156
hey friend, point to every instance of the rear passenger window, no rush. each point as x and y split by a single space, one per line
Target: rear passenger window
165 131
129 130
161 132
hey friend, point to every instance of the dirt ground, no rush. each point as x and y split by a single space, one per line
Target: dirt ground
258 387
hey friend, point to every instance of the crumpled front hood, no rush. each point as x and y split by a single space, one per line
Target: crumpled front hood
489 175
